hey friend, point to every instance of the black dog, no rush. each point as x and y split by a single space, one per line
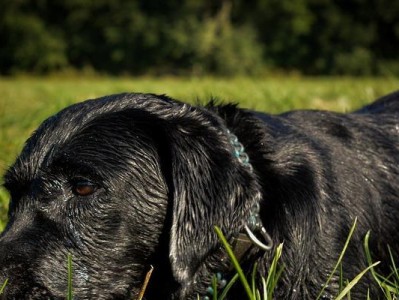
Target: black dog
133 180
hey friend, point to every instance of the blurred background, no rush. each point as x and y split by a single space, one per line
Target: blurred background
191 37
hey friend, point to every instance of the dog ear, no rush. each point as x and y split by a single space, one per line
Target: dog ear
210 187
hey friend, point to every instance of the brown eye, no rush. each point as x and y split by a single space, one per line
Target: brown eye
83 188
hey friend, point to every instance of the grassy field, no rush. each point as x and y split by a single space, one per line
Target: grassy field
26 102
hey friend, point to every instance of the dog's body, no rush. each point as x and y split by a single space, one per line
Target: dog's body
133 180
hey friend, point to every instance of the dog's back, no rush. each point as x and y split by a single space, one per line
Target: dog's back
388 104
335 167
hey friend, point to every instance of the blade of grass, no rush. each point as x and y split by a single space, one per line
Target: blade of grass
395 269
351 284
215 287
274 274
235 263
257 295
254 279
386 285
69 290
3 286
349 291
145 283
341 277
265 297
339 259
228 287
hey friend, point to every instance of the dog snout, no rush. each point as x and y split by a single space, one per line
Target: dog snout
16 255
14 270
14 252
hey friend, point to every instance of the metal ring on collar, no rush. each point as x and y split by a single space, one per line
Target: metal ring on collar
267 239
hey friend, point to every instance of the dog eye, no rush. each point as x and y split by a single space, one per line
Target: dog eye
82 187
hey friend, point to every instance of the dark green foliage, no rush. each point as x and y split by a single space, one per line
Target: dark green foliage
28 44
328 37
358 37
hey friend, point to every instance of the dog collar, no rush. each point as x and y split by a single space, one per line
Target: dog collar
253 227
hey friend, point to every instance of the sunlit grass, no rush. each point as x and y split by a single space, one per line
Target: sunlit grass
269 282
338 264
389 284
3 286
4 197
69 295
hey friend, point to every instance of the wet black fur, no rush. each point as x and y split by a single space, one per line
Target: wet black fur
164 175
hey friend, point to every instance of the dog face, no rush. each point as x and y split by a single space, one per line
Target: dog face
121 183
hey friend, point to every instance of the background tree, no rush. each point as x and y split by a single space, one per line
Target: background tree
357 37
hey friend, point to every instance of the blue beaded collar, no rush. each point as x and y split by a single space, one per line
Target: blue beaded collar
252 226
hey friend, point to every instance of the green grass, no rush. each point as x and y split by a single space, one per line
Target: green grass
269 283
69 295
389 285
3 286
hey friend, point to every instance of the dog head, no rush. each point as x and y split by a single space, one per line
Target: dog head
122 183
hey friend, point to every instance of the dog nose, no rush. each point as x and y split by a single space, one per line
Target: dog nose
15 249
14 253
7 257
13 267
